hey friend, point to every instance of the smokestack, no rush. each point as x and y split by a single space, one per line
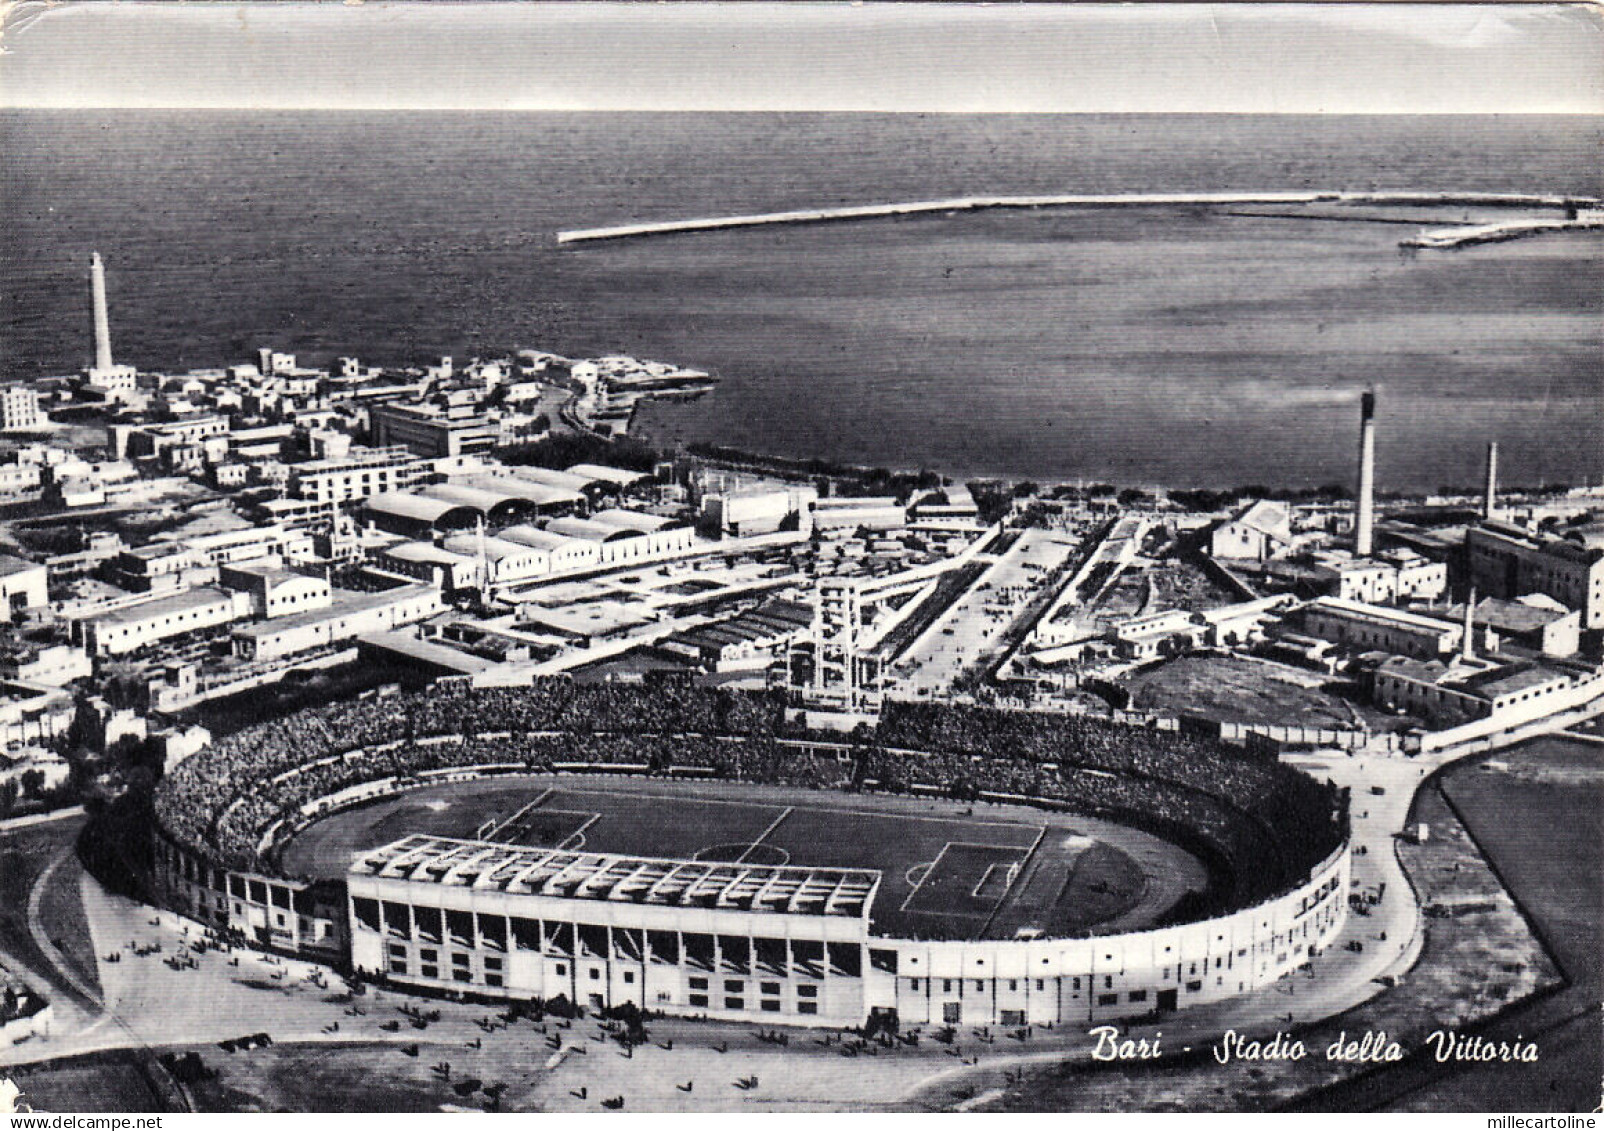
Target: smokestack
1467 642
1364 518
97 294
1489 504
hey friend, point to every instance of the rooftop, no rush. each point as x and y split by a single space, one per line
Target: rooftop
1378 614
603 474
779 890
10 565
346 602
177 602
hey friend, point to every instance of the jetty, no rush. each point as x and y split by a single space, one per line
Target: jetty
1465 235
1571 206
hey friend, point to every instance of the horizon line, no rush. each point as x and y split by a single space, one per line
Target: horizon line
882 111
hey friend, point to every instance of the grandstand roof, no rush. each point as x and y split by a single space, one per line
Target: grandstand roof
836 892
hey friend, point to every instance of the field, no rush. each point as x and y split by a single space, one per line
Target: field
1235 690
948 870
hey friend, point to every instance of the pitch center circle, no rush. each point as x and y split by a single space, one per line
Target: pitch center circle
744 851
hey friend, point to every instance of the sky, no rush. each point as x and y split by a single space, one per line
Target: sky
934 58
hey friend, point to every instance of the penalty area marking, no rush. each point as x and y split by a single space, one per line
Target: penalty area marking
496 829
936 863
578 835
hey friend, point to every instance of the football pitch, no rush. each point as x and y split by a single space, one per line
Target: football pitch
949 870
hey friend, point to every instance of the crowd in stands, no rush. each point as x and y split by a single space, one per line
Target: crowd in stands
1267 823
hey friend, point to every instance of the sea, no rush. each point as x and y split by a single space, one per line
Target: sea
1182 345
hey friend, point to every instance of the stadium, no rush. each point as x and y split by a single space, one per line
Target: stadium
698 853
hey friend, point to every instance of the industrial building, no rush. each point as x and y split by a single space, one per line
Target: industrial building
1464 688
1536 623
1258 532
345 617
132 627
1376 628
1510 561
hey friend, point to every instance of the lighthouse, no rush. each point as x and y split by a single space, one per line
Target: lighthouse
97 296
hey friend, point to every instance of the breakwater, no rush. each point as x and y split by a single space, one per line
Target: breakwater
1466 235
1077 200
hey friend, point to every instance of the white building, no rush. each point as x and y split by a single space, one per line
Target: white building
361 474
19 408
346 616
275 591
1377 628
1260 531
127 629
23 585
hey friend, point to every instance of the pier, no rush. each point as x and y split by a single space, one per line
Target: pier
1465 235
1570 204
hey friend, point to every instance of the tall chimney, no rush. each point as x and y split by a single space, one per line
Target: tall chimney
1489 503
1364 518
97 293
1467 642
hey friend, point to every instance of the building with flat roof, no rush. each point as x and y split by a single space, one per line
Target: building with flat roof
1460 689
1382 578
23 585
345 617
1509 561
1377 628
19 408
877 513
433 431
363 473
132 627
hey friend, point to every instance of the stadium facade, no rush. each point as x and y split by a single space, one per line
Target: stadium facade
732 941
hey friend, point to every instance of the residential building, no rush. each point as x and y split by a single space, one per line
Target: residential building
360 475
19 408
